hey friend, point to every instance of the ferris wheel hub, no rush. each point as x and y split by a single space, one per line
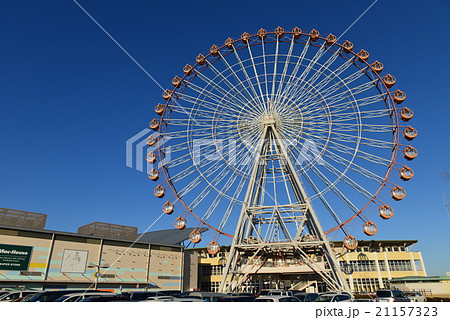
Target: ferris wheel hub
268 119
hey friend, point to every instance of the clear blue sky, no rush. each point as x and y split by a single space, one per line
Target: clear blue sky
70 98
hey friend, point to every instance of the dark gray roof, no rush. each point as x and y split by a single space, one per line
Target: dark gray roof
170 236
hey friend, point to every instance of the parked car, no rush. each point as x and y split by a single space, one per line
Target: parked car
173 293
416 297
187 299
391 296
207 296
160 299
16 296
76 297
142 295
30 296
306 296
242 298
275 298
50 296
334 297
277 292
363 300
106 298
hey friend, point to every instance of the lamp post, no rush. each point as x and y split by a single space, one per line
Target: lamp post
97 273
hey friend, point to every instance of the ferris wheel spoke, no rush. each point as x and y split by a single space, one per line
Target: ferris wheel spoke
216 98
218 177
321 197
240 83
350 151
349 181
332 186
215 203
353 166
207 154
341 115
322 85
349 127
338 193
344 95
319 72
274 76
232 204
290 84
243 99
225 93
358 102
327 92
251 85
256 73
263 47
305 73
283 75
194 102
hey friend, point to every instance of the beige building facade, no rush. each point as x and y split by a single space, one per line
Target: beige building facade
44 259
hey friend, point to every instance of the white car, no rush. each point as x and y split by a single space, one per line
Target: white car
276 299
416 297
333 297
76 297
276 292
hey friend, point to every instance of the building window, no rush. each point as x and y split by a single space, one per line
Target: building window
363 285
210 286
400 265
360 266
209 270
418 265
382 265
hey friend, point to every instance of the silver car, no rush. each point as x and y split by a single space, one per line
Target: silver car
276 299
416 297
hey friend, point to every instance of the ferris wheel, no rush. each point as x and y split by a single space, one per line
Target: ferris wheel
276 140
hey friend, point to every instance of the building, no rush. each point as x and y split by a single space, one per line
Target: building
367 268
437 285
35 258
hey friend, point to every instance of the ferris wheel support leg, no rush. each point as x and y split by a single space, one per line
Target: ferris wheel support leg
313 224
228 285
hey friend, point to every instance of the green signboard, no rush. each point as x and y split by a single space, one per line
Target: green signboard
14 257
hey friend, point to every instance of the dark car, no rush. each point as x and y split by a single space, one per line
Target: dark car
173 293
306 296
333 297
16 296
106 298
51 296
391 296
240 298
142 295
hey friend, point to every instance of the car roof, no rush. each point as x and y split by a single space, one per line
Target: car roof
274 297
88 293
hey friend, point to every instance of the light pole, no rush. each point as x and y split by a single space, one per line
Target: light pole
97 274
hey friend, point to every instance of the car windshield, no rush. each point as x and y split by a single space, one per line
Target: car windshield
383 294
28 297
324 298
